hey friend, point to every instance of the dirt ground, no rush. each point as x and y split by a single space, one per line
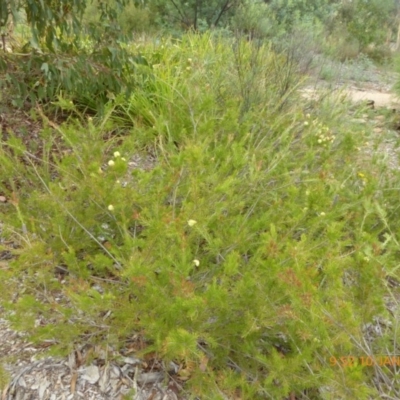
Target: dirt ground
357 83
380 98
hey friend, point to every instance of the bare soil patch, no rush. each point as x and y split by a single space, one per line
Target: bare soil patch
384 98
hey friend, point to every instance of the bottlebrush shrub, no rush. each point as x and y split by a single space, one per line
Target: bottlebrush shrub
252 252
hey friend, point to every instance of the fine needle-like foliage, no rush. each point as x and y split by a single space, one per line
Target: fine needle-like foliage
251 247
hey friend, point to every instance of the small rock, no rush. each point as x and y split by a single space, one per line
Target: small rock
91 374
131 360
150 377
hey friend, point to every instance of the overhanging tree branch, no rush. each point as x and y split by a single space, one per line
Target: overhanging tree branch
223 10
183 16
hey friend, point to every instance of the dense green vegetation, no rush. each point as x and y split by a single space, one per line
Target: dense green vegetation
180 189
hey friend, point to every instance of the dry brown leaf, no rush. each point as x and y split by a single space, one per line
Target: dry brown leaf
74 378
79 359
4 394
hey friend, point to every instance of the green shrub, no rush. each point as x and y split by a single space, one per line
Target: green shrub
341 46
87 78
252 252
380 54
131 18
255 20
366 21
